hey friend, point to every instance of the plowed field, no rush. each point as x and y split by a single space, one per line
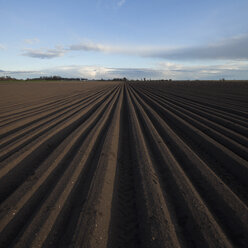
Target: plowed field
124 164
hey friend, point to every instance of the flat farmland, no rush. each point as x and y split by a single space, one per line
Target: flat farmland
124 164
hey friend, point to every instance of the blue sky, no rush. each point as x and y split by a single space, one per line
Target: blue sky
176 39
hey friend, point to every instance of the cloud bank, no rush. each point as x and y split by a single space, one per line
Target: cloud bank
230 49
235 70
235 48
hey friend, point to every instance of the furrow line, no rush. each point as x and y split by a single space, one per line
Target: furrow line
13 218
204 230
202 98
206 127
157 229
227 165
228 209
92 229
43 130
25 123
13 136
221 109
225 120
30 159
124 226
67 199
38 108
63 102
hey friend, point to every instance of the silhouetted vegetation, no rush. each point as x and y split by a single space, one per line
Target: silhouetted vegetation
114 79
7 78
56 78
124 79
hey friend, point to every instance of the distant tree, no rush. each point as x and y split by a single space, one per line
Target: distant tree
7 78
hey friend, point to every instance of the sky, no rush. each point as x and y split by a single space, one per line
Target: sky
169 39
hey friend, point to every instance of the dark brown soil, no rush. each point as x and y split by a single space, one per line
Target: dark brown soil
124 164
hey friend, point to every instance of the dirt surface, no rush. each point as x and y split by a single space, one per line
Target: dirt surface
124 164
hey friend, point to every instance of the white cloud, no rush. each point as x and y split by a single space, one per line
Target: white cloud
44 54
32 41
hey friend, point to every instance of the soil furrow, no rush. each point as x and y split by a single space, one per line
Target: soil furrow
124 227
157 229
193 215
223 161
10 130
68 197
107 164
206 127
60 105
57 120
29 160
44 182
231 213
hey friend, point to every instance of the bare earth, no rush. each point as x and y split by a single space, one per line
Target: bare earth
114 164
